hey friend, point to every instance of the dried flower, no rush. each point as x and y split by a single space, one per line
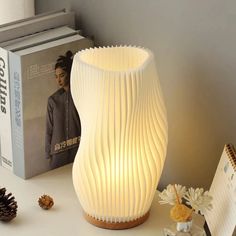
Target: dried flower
168 195
199 200
196 199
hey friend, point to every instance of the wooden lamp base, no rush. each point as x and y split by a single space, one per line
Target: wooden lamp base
117 225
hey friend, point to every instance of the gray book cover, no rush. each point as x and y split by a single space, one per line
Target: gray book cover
32 82
5 113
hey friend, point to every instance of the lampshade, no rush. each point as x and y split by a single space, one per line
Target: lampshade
124 134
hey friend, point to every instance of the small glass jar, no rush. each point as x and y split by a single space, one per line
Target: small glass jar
184 229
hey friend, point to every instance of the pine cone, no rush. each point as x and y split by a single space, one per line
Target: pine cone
46 202
8 206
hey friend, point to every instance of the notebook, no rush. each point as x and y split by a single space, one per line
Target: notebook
221 220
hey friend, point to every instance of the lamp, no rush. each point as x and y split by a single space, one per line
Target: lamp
124 134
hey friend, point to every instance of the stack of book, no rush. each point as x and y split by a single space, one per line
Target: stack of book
29 49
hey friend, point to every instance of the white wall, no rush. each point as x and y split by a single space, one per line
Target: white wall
11 10
194 45
50 5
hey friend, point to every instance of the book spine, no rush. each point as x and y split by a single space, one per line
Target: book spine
30 27
5 112
15 71
47 39
38 16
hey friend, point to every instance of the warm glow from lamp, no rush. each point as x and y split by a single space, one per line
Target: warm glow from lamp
124 134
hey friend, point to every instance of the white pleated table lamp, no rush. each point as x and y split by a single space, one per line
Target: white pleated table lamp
117 93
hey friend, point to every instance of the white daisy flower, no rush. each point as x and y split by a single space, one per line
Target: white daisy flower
199 200
168 195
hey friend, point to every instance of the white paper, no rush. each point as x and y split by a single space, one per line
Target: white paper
221 219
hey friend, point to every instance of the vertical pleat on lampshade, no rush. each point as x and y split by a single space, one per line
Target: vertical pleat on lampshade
117 93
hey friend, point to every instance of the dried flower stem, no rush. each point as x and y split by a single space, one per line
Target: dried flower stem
177 196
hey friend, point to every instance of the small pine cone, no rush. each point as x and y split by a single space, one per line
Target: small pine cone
8 206
46 202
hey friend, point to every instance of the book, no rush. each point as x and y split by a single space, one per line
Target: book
45 27
221 220
41 37
32 81
16 40
5 113
37 23
31 36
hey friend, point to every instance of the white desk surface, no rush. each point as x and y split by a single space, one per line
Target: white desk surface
66 217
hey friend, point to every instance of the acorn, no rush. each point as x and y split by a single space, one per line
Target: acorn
46 202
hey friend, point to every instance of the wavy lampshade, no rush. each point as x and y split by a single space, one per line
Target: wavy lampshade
117 93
